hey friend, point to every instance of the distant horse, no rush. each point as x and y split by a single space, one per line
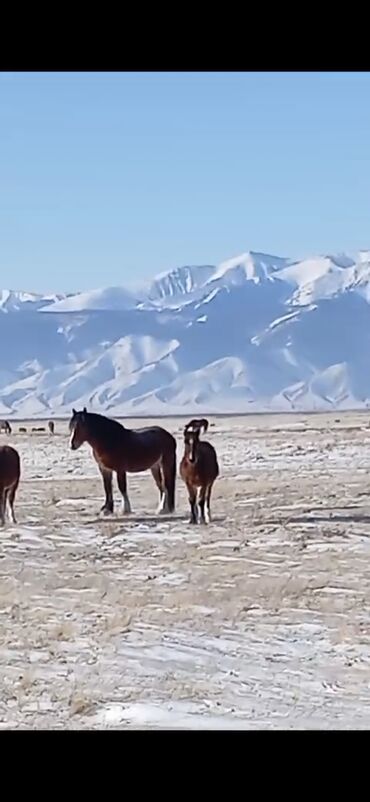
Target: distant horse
51 426
198 469
10 471
122 450
5 427
22 429
38 429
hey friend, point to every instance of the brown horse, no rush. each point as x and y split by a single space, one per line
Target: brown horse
51 426
5 427
198 469
122 450
10 471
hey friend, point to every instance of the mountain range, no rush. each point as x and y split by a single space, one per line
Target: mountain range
255 333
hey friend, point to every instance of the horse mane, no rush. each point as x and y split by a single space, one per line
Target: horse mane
104 427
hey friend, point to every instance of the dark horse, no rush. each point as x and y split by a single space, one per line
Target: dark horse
5 427
127 451
10 471
198 469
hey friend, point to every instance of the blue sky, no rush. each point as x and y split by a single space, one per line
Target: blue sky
109 178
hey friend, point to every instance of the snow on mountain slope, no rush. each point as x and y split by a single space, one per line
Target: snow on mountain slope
251 266
111 298
317 278
180 281
99 381
361 277
11 301
186 284
256 332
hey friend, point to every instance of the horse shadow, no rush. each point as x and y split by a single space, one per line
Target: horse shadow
156 520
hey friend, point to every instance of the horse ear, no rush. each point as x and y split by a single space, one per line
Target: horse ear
191 425
84 411
74 411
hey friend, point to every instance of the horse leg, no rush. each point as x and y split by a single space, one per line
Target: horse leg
168 466
2 506
157 476
202 500
108 506
193 503
208 504
11 496
122 484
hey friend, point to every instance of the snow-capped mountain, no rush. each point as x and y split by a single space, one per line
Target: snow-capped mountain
257 332
11 301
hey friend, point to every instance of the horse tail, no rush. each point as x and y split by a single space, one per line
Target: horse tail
169 470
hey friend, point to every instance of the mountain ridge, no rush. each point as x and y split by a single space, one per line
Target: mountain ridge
255 333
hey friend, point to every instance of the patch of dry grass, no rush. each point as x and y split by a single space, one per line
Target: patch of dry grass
267 604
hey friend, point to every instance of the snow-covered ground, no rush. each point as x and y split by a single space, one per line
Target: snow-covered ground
260 620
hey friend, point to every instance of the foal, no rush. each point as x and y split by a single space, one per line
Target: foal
10 471
198 469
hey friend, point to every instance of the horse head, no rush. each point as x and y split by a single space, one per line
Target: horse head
78 427
197 424
192 432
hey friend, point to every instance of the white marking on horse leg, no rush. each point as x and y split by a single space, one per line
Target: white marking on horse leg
9 507
126 506
163 504
207 513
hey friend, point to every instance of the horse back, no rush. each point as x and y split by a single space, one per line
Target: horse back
208 456
135 450
154 434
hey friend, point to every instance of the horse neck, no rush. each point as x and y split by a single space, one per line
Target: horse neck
195 452
100 440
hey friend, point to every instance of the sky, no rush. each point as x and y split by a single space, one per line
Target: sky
110 178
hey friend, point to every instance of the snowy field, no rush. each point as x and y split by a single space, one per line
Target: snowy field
260 620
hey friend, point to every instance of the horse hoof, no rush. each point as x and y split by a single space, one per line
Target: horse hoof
106 511
164 510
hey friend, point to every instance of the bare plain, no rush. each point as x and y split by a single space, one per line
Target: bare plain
259 620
